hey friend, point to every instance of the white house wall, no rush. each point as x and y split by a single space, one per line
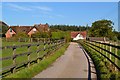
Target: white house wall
78 37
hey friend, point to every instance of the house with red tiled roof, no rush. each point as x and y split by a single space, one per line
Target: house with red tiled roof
29 30
78 35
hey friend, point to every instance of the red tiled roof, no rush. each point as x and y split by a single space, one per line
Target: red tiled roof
74 34
42 27
19 29
26 29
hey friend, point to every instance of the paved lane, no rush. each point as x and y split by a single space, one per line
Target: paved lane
73 64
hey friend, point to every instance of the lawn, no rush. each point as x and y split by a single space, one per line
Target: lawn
103 66
36 68
24 58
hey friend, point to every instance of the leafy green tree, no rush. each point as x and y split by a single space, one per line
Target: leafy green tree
3 28
68 28
118 36
101 28
21 35
58 35
36 35
40 35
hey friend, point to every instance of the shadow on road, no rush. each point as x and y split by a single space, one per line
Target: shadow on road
90 66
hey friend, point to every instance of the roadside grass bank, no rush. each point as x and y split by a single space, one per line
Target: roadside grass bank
102 66
36 68
20 59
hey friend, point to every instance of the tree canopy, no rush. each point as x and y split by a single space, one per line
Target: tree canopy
40 35
68 28
101 28
3 28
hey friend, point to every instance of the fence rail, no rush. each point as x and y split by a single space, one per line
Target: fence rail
48 47
110 51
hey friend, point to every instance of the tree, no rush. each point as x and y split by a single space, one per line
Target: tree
118 36
101 28
19 37
3 28
67 28
40 35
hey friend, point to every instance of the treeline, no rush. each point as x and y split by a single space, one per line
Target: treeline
68 27
3 29
104 28
117 34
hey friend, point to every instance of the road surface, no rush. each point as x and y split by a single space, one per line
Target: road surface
73 64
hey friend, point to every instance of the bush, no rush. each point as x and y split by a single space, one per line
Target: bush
61 35
21 35
40 35
102 66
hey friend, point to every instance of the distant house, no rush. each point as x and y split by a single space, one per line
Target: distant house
78 35
10 33
29 30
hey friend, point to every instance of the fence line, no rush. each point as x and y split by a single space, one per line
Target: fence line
108 50
25 39
49 46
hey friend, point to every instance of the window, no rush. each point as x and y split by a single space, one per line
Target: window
10 29
34 29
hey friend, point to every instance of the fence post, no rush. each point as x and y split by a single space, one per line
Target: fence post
100 49
106 52
38 60
28 56
57 43
103 48
116 60
25 40
50 44
53 45
31 40
110 51
44 46
37 39
14 59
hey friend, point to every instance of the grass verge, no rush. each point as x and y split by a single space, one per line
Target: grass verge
36 68
101 65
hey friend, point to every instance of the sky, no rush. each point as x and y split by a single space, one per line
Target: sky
70 13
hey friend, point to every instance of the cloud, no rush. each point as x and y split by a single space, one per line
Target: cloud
43 8
29 8
17 7
60 16
52 17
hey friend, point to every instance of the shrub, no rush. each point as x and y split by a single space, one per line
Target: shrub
40 35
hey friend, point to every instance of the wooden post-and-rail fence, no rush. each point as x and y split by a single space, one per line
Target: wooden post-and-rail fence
110 51
49 46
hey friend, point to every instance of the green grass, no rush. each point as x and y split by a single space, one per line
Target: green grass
108 55
20 59
16 43
36 68
102 66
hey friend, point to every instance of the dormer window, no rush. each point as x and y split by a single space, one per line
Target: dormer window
34 29
10 29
